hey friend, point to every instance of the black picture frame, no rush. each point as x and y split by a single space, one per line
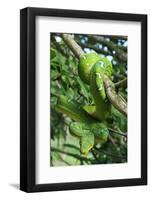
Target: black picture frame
28 98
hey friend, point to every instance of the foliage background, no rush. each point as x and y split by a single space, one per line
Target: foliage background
65 81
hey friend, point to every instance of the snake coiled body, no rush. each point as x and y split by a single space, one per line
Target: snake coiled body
89 120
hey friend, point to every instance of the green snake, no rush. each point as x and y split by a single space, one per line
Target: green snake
89 121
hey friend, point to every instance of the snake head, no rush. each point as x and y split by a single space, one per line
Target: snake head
83 131
88 133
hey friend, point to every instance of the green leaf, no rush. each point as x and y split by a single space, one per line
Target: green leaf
83 88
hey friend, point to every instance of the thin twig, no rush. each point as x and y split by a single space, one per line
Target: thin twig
94 155
112 141
122 83
117 132
72 154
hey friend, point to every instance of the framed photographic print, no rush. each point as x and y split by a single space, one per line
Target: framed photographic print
83 99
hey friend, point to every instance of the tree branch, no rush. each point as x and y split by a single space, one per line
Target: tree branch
120 37
98 50
75 48
111 45
113 97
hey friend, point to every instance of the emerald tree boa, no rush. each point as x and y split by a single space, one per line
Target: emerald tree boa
89 122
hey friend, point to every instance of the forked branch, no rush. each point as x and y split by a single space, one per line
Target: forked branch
113 97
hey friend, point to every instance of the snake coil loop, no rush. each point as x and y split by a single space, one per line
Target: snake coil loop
91 69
